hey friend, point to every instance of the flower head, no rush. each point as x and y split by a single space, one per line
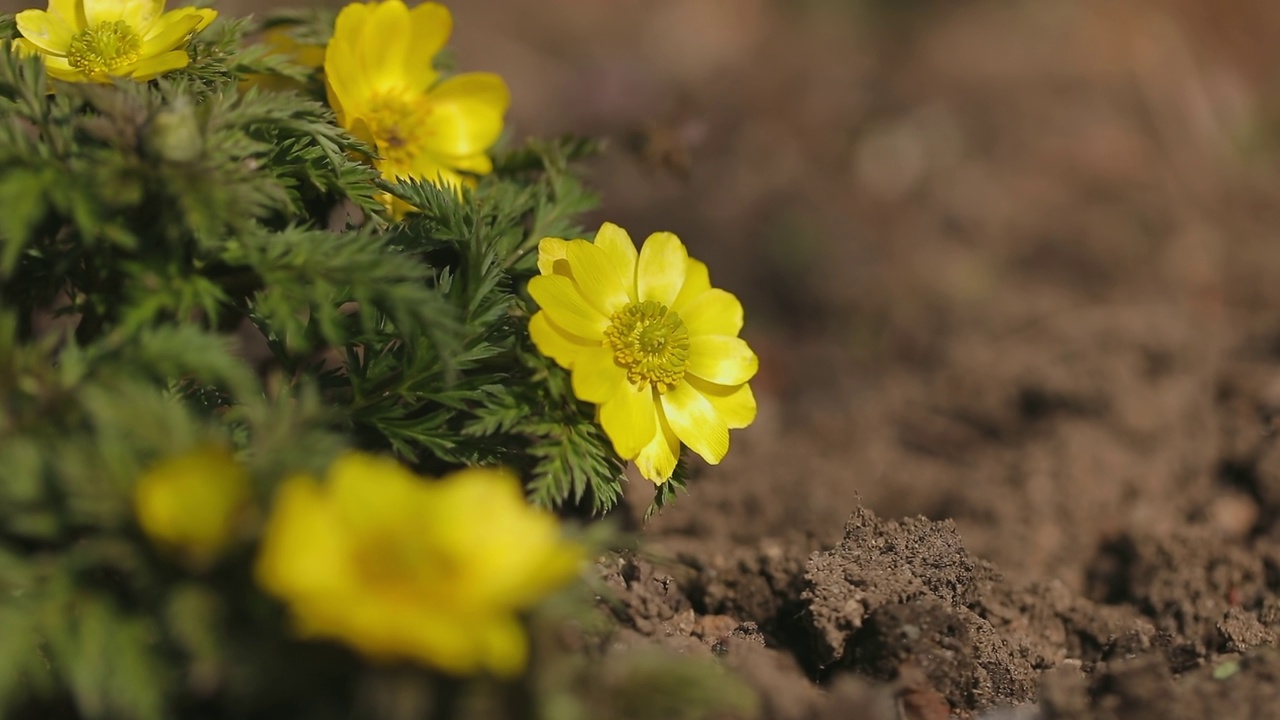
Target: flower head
97 40
648 340
402 567
383 88
191 503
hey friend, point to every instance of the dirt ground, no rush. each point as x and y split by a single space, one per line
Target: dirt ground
1011 269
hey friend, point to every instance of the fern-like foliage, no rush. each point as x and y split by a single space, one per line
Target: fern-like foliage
207 258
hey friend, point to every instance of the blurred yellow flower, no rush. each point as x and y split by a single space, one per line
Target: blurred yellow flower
97 40
648 340
279 42
191 503
384 90
404 567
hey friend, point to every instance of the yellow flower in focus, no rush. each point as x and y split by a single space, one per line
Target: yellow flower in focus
648 340
384 90
191 503
403 567
97 40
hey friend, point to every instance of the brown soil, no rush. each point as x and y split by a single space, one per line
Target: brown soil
1011 270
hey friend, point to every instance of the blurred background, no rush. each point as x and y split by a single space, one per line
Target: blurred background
1004 261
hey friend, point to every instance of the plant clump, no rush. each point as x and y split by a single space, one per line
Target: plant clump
288 425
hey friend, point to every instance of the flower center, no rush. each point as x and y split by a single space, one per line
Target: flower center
104 48
651 342
396 120
403 568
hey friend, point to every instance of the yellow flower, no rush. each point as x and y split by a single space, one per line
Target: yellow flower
382 86
402 567
648 340
191 503
96 40
279 42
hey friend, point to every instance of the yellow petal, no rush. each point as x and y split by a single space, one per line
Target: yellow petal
506 649
658 459
553 256
344 70
452 644
714 312
695 421
599 279
431 26
26 49
566 307
630 419
383 42
60 69
661 268
615 241
556 343
466 113
722 359
207 16
137 14
335 102
735 403
697 281
152 67
596 377
46 31
348 27
435 169
479 164
302 543
71 12
372 492
140 14
170 31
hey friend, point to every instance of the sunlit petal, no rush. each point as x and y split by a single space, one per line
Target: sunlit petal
558 344
384 41
172 30
735 403
596 378
615 241
553 257
47 31
657 461
597 276
714 312
722 359
466 113
431 26
71 12
697 281
559 297
140 14
696 422
630 419
153 67
661 268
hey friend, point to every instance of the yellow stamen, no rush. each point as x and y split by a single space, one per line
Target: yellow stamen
104 48
396 120
651 342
